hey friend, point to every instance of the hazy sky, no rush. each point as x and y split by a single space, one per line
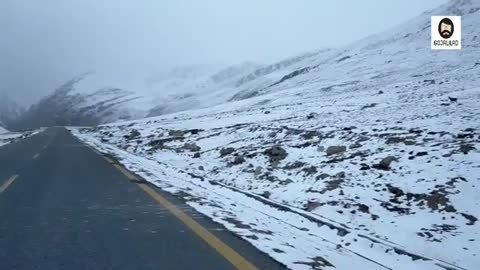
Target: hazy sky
43 43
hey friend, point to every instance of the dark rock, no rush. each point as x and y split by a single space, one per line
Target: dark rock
310 170
364 167
258 170
464 135
419 154
369 106
176 133
470 218
266 194
196 155
322 176
133 134
294 165
238 160
312 115
191 147
465 148
355 145
453 99
363 208
312 205
276 153
226 151
308 135
384 164
336 149
272 134
395 190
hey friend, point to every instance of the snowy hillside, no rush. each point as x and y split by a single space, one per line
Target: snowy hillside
9 110
2 130
366 155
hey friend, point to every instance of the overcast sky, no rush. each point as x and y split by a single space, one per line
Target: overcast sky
43 43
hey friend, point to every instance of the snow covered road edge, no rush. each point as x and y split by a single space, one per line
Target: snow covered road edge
291 236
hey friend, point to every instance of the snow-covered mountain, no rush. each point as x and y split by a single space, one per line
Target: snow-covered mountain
364 156
9 110
69 106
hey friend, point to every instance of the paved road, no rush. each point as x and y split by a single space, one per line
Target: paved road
63 206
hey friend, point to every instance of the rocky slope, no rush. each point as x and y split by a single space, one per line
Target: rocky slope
9 110
66 106
367 155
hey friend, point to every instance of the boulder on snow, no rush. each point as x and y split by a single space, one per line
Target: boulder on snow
336 149
238 160
191 147
176 133
276 153
226 151
384 164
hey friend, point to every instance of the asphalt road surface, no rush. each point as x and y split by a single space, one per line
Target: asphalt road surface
64 206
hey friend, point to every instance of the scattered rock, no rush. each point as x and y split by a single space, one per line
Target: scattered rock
312 115
363 208
133 134
336 149
320 148
464 135
404 140
395 190
196 155
384 164
369 106
266 194
310 170
419 154
465 148
312 205
308 135
201 168
276 153
176 133
272 134
191 147
226 151
355 145
258 170
364 167
238 160
471 219
294 165
322 176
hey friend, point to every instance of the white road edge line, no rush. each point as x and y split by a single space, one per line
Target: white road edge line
8 183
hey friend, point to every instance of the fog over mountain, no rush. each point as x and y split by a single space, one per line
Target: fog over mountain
46 43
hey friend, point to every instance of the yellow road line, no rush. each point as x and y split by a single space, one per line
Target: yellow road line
36 156
223 249
227 252
8 183
128 174
108 160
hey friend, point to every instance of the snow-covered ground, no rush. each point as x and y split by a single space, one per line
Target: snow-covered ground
367 156
7 137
